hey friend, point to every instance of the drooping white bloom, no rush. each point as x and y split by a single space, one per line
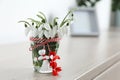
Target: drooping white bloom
27 30
53 31
44 30
63 31
32 30
41 29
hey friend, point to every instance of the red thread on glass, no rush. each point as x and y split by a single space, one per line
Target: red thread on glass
41 42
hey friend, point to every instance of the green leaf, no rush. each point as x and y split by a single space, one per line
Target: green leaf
43 15
67 21
33 20
25 22
38 23
63 21
40 16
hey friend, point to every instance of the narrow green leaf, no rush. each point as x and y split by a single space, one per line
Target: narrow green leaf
70 12
40 16
38 23
66 21
25 22
43 15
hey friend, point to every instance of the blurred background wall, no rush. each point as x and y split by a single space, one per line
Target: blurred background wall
11 11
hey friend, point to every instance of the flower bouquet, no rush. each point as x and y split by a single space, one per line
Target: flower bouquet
45 37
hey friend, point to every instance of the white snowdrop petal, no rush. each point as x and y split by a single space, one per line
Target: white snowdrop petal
64 30
46 33
40 34
40 58
60 33
51 34
35 59
47 26
40 28
55 28
27 30
34 32
53 31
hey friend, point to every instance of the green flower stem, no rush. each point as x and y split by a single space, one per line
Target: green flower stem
64 19
25 22
44 16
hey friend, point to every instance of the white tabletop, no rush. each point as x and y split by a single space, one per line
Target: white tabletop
78 55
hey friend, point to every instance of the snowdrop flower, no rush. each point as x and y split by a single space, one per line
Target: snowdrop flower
44 30
53 31
63 31
27 30
33 31
60 34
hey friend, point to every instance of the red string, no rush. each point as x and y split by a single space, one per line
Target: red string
53 63
41 42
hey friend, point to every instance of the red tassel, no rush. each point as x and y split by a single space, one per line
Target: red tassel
53 64
55 73
53 53
56 57
58 69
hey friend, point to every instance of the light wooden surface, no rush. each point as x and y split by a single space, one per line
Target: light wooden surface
78 55
113 73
